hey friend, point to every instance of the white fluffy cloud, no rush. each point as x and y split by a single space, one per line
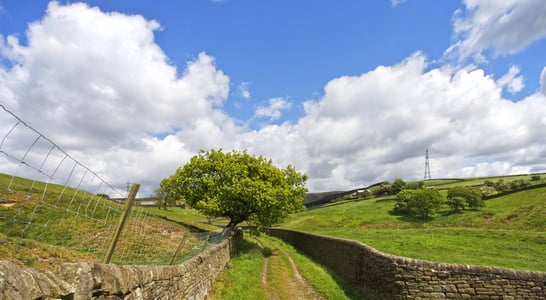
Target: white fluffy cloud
99 86
378 125
100 76
274 108
506 27
98 83
511 81
244 90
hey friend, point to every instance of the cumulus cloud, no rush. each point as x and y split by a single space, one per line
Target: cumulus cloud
96 81
511 81
274 108
78 71
378 125
244 90
506 27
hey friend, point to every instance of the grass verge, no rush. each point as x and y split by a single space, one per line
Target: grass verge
241 278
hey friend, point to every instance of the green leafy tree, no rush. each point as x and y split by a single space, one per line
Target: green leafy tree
461 197
398 185
488 191
421 203
516 184
424 202
456 203
164 199
415 185
501 186
238 186
402 201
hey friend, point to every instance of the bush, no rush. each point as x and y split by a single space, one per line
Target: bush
489 183
420 203
456 203
415 185
461 197
516 184
501 186
398 185
488 191
402 200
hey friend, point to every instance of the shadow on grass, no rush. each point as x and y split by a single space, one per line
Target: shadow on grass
405 217
248 247
268 252
349 290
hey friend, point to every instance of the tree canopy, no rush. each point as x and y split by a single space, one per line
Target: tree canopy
238 186
461 197
420 203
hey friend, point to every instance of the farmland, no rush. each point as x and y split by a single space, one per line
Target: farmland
508 232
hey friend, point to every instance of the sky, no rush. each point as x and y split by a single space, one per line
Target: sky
349 92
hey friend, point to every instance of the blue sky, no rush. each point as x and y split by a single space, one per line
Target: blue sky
350 92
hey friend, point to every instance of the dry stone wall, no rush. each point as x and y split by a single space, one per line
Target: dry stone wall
381 276
189 280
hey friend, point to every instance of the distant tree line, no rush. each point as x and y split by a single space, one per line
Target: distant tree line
500 186
416 200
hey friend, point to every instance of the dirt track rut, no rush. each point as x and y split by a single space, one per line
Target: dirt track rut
280 278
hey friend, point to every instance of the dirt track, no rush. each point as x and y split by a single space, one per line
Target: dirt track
280 278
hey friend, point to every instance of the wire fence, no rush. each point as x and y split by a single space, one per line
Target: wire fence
53 209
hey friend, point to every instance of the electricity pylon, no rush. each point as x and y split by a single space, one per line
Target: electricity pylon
427 167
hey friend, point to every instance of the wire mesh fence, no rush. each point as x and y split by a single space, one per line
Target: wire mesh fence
54 209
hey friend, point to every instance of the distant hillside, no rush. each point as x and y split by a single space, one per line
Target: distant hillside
509 232
314 199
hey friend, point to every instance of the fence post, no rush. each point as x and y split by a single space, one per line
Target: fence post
173 259
130 199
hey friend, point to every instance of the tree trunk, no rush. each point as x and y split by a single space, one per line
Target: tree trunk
233 222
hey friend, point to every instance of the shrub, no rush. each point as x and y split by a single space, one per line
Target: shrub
461 197
420 203
402 200
398 185
456 203
415 185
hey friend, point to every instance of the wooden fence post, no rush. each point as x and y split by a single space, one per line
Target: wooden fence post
180 245
130 199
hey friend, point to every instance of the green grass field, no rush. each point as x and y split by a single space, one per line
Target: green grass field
509 232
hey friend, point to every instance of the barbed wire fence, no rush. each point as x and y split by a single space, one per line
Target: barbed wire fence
53 209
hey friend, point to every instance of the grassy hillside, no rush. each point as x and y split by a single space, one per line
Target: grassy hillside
509 232
44 225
